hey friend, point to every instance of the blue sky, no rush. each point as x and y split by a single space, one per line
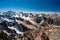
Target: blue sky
30 5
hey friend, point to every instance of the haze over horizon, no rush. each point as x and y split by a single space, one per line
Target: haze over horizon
30 5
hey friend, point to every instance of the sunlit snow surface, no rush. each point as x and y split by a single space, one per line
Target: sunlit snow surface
6 32
16 28
6 19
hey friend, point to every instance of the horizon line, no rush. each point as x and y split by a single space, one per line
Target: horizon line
24 10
